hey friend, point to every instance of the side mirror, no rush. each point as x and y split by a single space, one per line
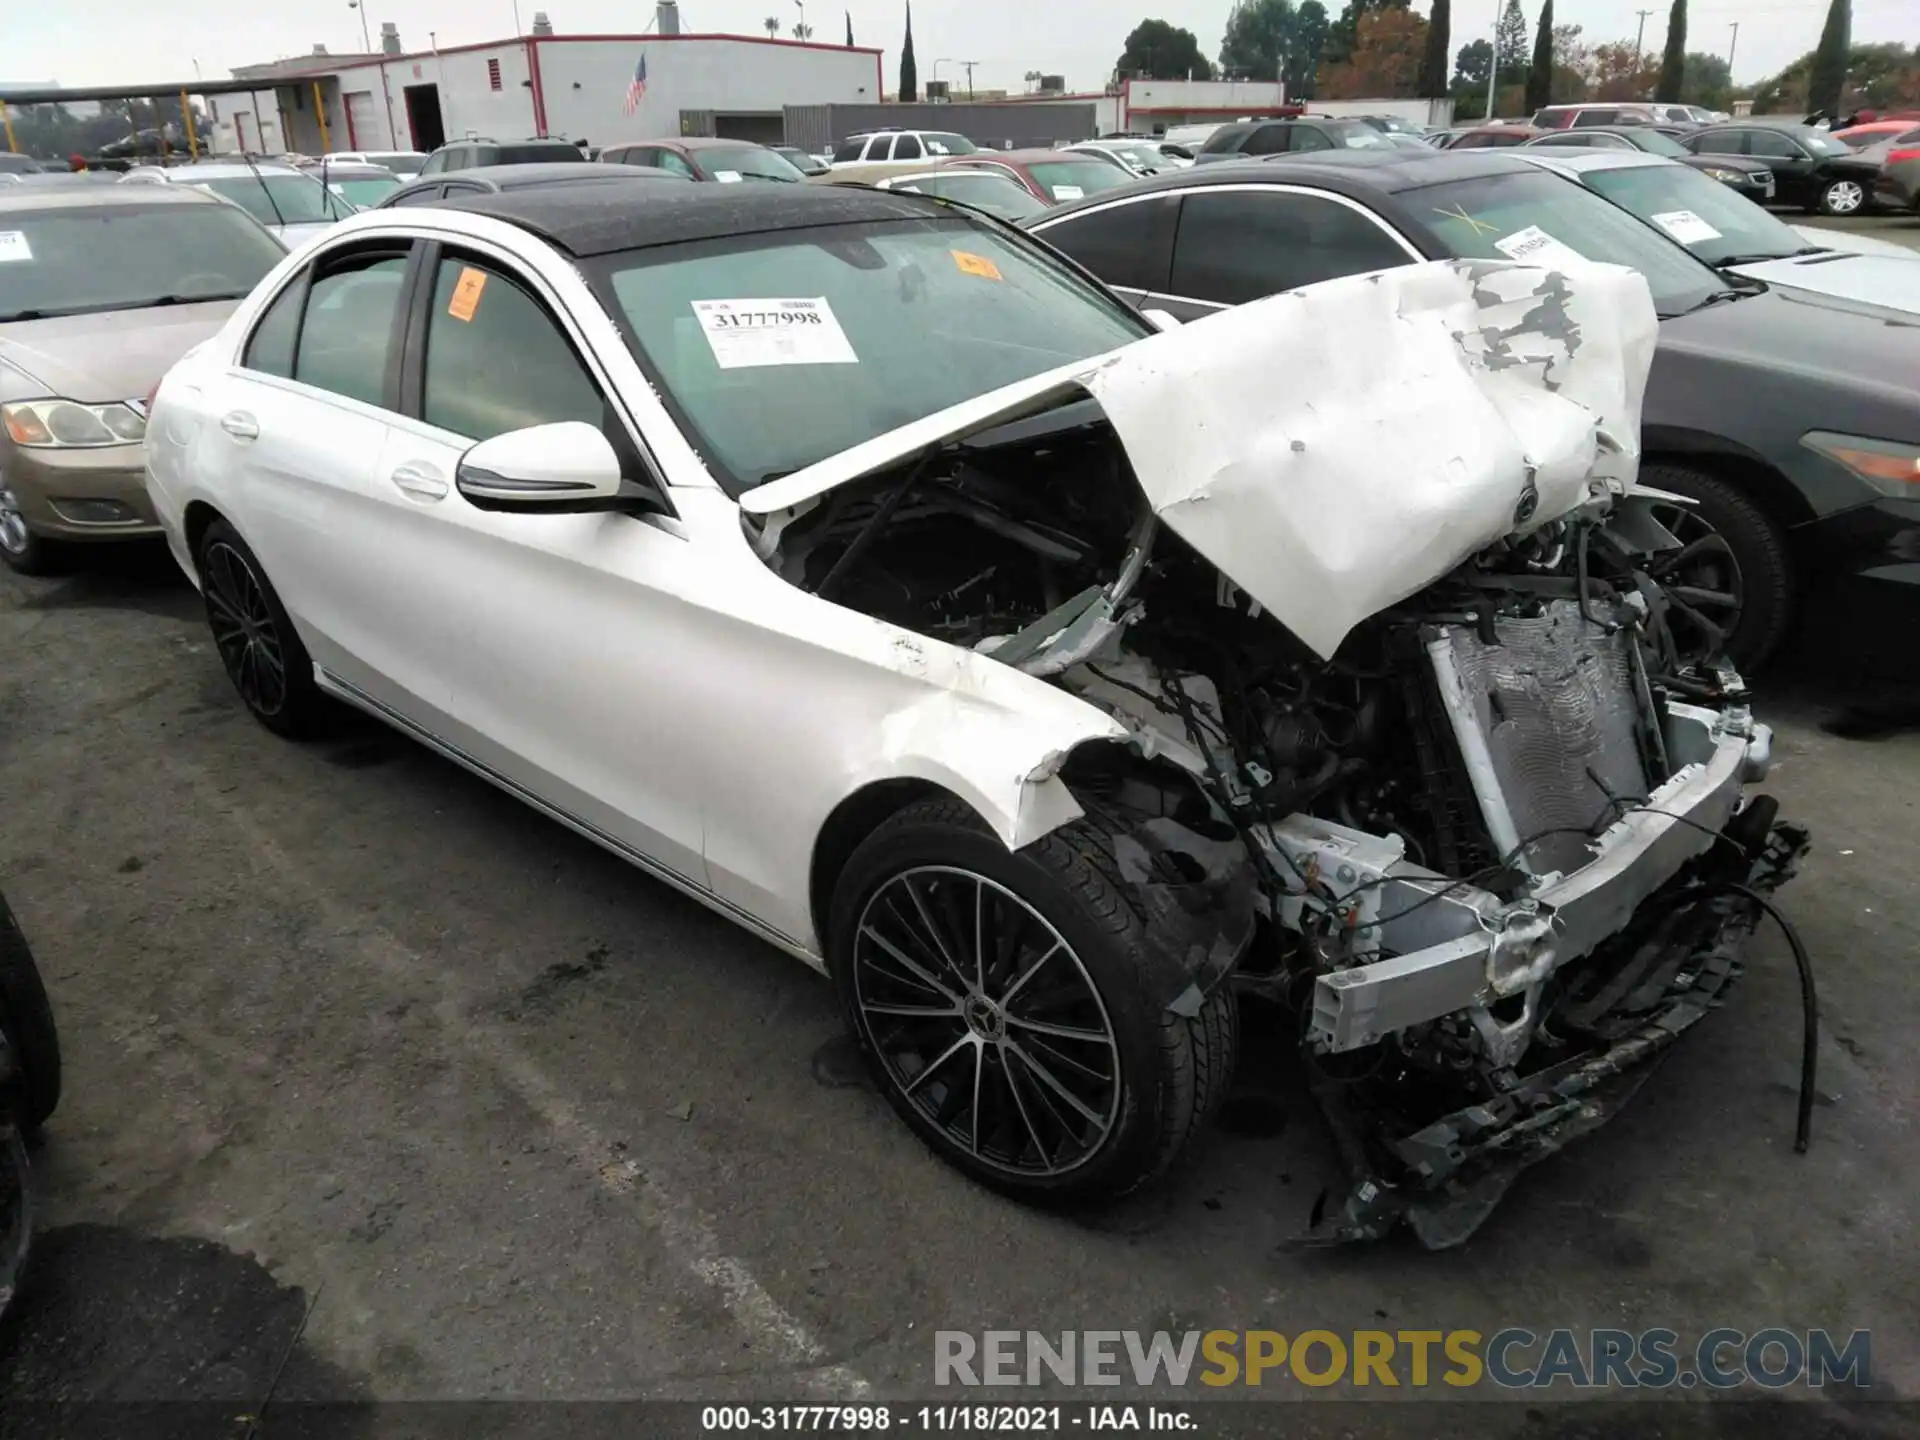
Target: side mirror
547 468
1161 320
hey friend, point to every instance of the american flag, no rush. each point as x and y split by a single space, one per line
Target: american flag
637 90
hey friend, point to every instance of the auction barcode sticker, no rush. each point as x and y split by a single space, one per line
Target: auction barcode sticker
13 246
746 333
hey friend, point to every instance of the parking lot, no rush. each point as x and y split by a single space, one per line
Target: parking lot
378 1085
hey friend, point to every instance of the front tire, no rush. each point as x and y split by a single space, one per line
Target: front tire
1734 572
1842 197
259 648
999 1001
24 552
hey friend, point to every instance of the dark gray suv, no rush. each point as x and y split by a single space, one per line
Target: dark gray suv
472 154
1293 136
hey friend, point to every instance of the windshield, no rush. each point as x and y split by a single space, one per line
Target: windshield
399 164
747 162
1542 218
1821 143
994 194
1076 179
1394 125
1144 156
124 257
776 351
1704 215
939 142
365 192
278 199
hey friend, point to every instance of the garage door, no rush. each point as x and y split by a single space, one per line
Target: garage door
363 121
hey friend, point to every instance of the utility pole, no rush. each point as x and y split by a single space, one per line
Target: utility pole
1735 27
1640 35
968 65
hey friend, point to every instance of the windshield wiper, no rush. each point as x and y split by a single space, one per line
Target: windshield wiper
207 299
1716 298
1759 257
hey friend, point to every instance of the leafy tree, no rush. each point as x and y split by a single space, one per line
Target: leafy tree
1157 50
1673 61
1433 61
1257 38
1709 82
1540 71
1622 73
1828 75
1885 76
1510 43
1344 33
909 72
803 31
1310 27
1572 65
1386 58
772 22
1471 68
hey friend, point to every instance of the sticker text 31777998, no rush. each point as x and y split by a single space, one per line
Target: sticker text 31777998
747 333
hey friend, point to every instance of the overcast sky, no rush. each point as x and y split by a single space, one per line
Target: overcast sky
99 42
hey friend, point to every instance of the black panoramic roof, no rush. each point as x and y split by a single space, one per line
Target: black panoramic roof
1351 172
601 220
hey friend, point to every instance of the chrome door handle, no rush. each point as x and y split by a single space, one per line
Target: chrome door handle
421 481
240 425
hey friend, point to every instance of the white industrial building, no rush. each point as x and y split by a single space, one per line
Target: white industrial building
542 83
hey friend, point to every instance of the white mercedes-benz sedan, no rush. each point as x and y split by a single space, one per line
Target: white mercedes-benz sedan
856 564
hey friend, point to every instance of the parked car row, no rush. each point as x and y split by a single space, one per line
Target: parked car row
1117 652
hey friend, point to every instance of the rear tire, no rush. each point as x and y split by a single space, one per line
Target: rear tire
26 1015
1754 564
258 646
951 1040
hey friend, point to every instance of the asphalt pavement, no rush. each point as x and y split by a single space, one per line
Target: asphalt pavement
379 1086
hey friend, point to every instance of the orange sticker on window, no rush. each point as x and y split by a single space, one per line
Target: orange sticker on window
466 293
976 265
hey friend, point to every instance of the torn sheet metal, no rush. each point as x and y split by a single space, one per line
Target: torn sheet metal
1337 448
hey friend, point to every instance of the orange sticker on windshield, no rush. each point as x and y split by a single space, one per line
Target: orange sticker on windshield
976 265
466 293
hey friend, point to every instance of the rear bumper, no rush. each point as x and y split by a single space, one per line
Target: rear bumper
1459 947
84 495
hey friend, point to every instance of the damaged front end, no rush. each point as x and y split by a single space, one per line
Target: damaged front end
1409 747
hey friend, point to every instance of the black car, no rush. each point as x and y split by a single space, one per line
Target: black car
1810 168
431 189
1789 419
1749 178
479 153
1295 136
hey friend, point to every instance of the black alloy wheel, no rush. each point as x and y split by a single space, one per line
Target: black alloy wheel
986 1020
258 645
244 629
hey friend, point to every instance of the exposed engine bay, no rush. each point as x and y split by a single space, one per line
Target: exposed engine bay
1417 844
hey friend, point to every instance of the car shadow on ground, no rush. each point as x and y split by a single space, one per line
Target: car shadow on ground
140 576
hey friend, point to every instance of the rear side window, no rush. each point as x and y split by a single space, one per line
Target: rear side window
349 323
1267 140
496 361
1236 246
270 347
1116 244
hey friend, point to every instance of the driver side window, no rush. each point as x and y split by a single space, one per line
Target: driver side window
496 361
673 164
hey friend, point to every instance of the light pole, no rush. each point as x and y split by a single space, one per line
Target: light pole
1493 67
366 44
1735 28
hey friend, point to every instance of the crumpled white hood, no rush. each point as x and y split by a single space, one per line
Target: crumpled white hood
1335 449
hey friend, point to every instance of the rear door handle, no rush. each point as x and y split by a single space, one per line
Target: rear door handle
240 425
421 481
